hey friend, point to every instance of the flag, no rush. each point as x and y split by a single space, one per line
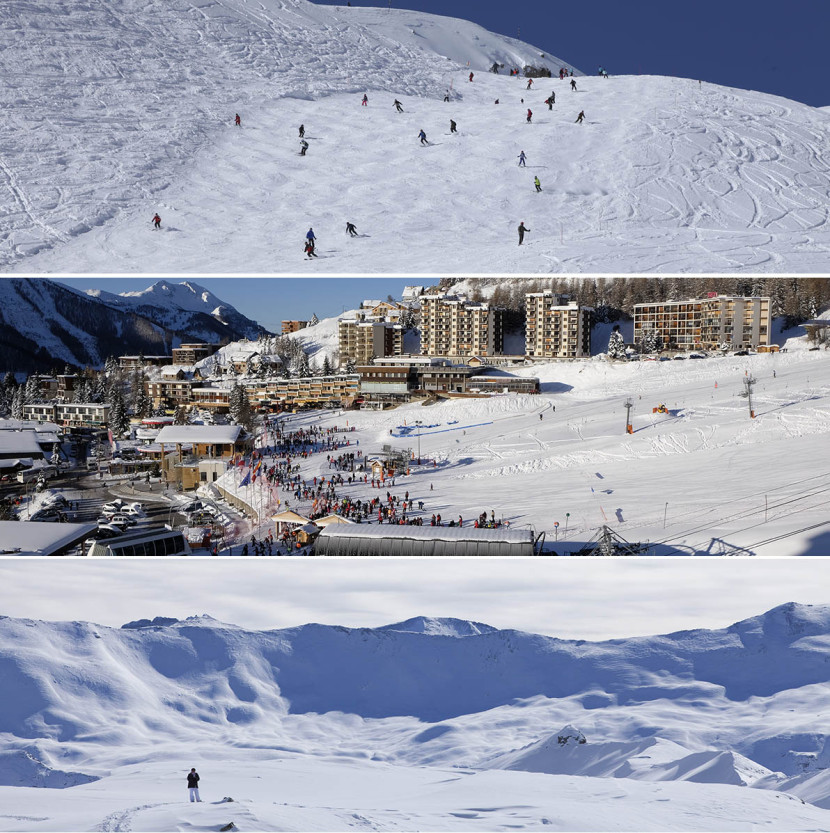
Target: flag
246 479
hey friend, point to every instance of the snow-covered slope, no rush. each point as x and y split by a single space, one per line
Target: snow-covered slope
117 112
446 698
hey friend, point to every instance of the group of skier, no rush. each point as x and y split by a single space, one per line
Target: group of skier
310 239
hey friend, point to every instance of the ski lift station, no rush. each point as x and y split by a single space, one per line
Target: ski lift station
392 539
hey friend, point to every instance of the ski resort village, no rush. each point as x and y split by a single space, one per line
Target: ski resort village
477 417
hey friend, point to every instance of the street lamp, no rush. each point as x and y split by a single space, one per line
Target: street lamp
419 423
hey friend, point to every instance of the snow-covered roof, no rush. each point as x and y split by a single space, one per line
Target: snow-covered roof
28 424
40 538
217 434
429 533
20 443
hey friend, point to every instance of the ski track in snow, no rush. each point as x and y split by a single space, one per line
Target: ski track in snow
120 111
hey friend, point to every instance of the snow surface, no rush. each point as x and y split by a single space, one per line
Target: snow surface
427 724
117 112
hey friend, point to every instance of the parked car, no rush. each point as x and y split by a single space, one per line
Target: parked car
105 531
114 521
133 510
113 506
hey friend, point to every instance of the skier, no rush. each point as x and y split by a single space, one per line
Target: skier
302 131
423 137
529 115
365 100
447 95
398 106
537 183
303 147
522 159
529 83
351 230
237 121
471 76
311 237
193 785
156 221
573 85
452 127
549 102
581 117
309 249
522 231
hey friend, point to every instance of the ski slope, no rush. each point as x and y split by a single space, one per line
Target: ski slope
425 724
124 111
703 479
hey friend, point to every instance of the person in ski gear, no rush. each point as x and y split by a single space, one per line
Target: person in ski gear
351 230
447 95
237 121
549 102
522 159
496 101
529 83
398 106
193 784
452 127
423 137
310 236
365 100
573 85
309 249
303 147
302 131
156 221
471 76
522 230
537 183
581 117
529 115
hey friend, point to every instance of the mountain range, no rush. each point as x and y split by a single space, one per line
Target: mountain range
745 705
47 324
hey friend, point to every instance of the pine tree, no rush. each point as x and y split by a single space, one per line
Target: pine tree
180 417
350 366
326 365
18 401
314 319
616 344
303 367
119 420
32 392
651 341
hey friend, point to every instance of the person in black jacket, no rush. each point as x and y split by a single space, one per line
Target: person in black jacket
193 784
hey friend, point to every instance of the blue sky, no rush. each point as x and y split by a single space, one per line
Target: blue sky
270 300
574 598
761 45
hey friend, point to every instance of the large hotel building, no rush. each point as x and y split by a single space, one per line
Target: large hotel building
710 323
555 328
453 326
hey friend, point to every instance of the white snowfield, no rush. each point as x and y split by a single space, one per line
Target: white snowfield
702 479
428 724
116 112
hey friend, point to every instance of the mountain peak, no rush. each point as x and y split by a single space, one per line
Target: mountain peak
432 626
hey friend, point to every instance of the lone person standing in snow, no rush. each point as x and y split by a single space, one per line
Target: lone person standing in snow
303 147
537 183
302 131
193 784
522 159
573 85
398 106
365 100
452 127
529 115
156 221
522 231
581 117
351 229
238 121
423 137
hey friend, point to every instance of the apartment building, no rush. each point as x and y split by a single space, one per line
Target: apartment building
453 326
361 341
710 323
556 328
293 326
170 392
69 414
138 362
189 354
